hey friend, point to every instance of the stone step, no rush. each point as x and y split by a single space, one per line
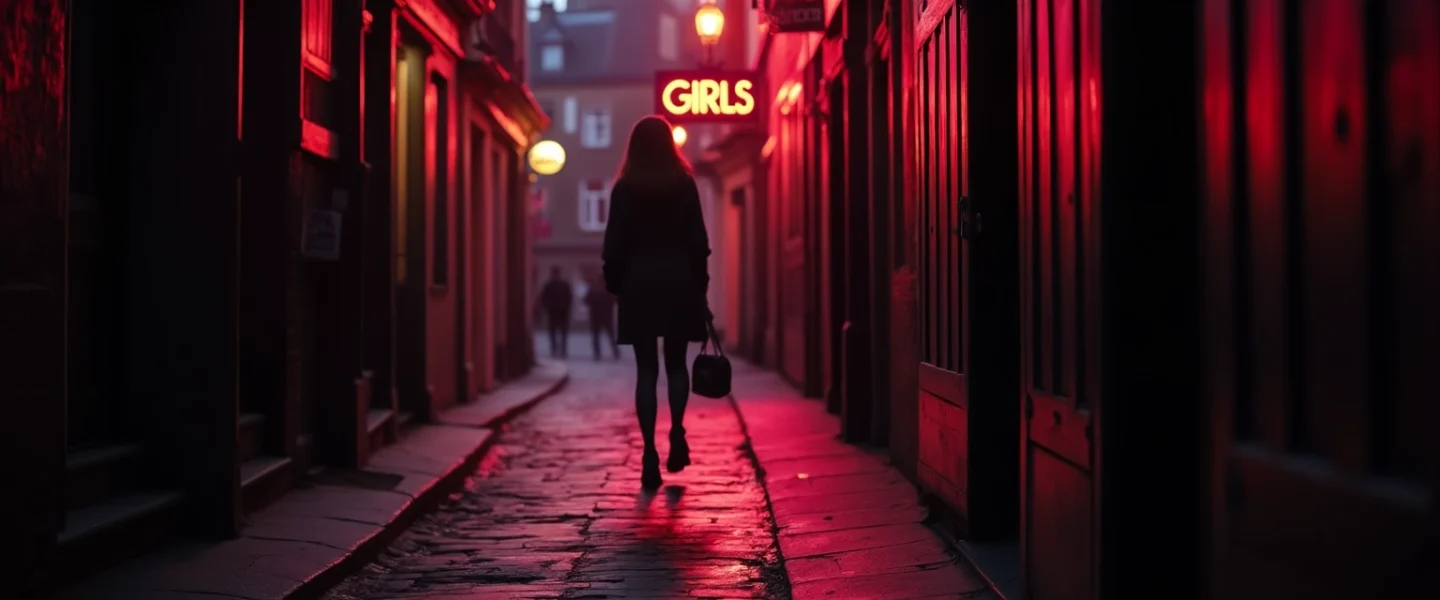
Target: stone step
250 433
103 534
98 474
264 479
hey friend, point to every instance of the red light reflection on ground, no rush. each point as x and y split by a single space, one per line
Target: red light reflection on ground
555 511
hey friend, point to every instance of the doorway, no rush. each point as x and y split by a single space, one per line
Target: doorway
1059 307
967 272
943 270
409 235
96 404
469 265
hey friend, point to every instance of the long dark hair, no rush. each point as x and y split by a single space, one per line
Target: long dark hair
652 156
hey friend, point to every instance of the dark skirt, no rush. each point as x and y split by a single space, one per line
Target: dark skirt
659 298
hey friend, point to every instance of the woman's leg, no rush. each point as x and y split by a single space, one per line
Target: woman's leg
647 375
679 390
678 378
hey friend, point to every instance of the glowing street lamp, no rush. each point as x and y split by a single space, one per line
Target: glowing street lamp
679 134
709 23
547 157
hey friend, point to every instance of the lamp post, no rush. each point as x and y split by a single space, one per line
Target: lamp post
709 23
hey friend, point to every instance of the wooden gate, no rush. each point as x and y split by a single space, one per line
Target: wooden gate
1059 164
1322 150
942 271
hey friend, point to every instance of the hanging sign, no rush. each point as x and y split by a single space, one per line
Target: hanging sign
709 96
797 16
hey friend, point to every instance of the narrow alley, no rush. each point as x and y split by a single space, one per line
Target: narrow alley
555 511
1019 299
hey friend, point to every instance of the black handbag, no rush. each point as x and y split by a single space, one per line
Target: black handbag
710 375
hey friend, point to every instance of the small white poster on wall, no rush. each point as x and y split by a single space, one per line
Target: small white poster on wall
321 240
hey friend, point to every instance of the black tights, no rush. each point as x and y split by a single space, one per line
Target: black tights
647 368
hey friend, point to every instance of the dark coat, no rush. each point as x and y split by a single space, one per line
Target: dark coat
556 298
601 304
655 260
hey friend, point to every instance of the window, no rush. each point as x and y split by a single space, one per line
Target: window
595 128
552 57
315 82
594 203
572 114
316 32
669 38
532 8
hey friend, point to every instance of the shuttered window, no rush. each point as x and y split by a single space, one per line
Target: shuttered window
316 35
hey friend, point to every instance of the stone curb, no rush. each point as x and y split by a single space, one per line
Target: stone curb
861 543
782 573
424 503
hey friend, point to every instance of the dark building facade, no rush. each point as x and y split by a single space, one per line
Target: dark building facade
230 259
1133 291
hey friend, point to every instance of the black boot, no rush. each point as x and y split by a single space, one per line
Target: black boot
650 470
679 452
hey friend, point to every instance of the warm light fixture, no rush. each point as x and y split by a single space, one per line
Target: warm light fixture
679 134
709 23
547 157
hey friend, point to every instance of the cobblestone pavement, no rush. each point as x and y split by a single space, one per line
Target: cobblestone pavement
555 511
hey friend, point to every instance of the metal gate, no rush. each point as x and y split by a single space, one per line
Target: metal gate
1059 165
942 271
1322 149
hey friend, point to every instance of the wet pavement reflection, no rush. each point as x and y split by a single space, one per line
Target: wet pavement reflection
556 511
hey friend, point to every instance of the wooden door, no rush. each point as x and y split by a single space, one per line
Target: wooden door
943 272
410 274
482 374
1322 150
463 244
1059 151
793 286
812 175
443 361
828 261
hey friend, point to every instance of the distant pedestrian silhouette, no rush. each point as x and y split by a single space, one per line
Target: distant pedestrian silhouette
556 299
655 261
601 304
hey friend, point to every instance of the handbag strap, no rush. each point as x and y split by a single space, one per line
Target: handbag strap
711 338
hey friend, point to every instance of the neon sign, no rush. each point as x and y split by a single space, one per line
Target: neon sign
708 96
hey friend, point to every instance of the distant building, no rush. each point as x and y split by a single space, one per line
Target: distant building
592 71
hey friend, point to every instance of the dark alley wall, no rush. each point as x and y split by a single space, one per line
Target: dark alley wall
1074 262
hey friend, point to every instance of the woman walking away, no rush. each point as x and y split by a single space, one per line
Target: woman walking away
655 264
